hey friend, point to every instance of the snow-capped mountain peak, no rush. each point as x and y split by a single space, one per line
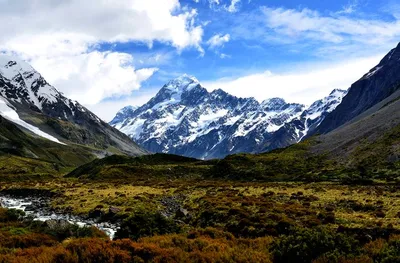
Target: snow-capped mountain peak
11 66
30 85
219 93
177 87
185 119
124 113
327 104
338 92
273 103
25 93
128 109
182 83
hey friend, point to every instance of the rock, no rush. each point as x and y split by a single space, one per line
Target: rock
114 210
181 213
30 208
55 224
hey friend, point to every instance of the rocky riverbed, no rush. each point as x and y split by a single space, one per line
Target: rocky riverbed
39 209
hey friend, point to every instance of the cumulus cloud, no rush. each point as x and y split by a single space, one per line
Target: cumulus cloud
305 85
108 108
92 77
60 40
218 40
110 21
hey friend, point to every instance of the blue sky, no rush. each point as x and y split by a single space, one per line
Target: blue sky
108 56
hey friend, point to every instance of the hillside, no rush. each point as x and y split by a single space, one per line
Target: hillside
376 85
156 166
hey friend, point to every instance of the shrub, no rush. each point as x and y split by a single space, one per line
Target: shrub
10 215
75 231
9 240
306 245
384 251
143 224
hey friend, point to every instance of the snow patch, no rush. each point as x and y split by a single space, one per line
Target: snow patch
11 115
373 72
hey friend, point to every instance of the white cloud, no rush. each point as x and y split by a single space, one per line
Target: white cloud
308 24
232 8
392 8
92 77
214 2
349 8
305 85
59 39
224 5
222 55
218 40
107 109
94 21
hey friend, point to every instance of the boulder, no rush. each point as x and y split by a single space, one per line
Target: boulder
113 210
57 224
181 213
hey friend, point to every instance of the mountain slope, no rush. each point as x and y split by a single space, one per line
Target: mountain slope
371 138
26 154
378 84
35 106
366 142
185 119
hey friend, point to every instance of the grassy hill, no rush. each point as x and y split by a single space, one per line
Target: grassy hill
149 166
22 153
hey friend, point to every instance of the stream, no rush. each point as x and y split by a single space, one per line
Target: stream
35 208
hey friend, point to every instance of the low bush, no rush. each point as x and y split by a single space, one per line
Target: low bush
207 245
9 215
143 223
306 245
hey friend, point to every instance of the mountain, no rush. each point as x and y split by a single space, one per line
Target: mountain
304 125
185 119
378 84
50 119
123 114
365 128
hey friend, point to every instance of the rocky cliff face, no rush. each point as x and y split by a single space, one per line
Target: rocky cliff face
378 84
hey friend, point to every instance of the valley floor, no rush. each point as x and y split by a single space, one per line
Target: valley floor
179 220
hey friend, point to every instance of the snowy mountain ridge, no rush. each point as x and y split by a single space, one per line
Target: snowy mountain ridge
185 119
27 100
21 75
